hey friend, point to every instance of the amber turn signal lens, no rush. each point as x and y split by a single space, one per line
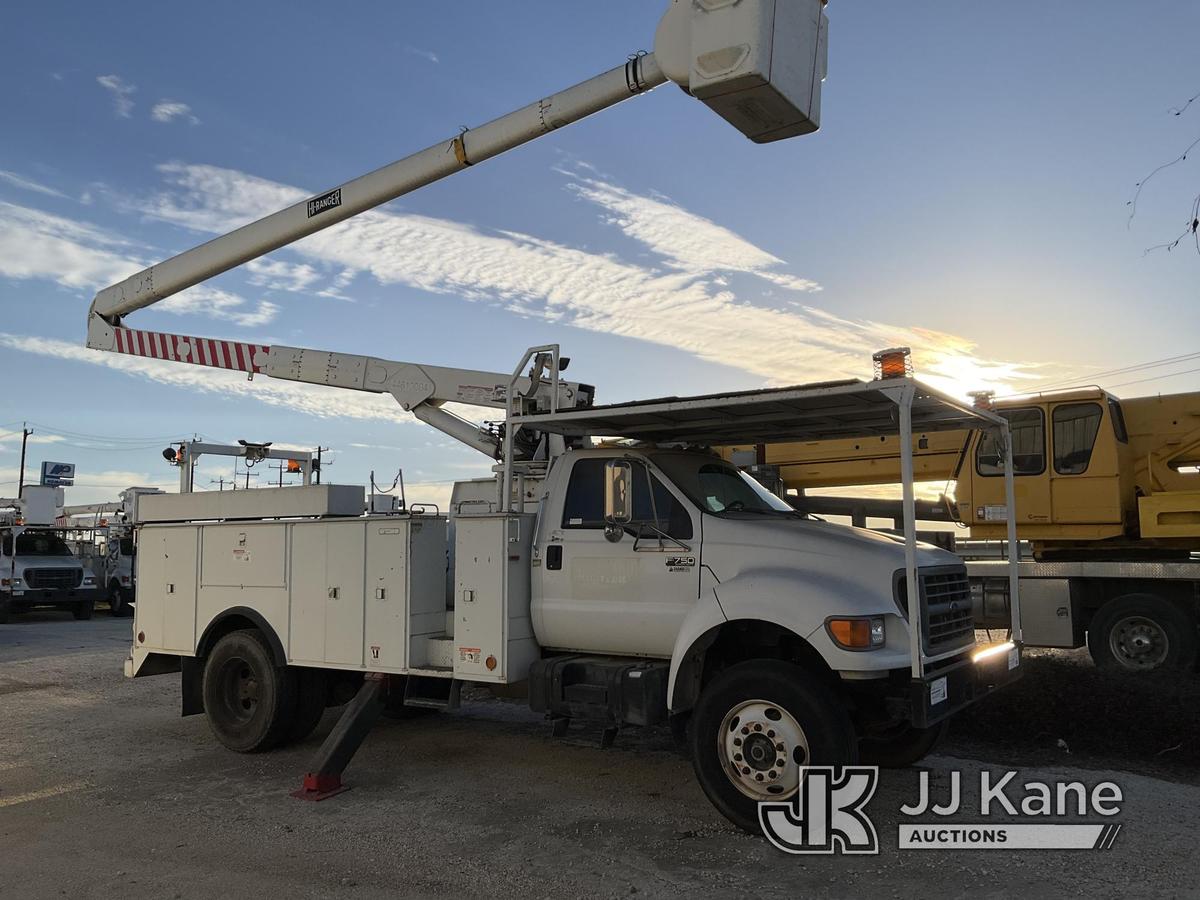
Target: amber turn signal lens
853 633
857 633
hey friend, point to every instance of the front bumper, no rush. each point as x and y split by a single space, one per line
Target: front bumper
959 682
31 597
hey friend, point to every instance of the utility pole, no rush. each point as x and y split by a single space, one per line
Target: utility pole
248 473
317 473
25 433
220 482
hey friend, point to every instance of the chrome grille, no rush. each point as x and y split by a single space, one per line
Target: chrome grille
949 620
52 579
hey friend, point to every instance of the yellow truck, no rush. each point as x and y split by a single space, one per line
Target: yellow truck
1108 504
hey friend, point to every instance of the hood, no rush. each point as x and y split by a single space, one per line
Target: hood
735 545
44 562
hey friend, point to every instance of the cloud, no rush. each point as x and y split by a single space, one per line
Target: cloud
218 304
424 54
683 302
686 242
35 438
122 93
96 486
35 244
26 185
281 276
169 110
79 256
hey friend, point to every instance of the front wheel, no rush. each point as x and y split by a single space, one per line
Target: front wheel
249 700
83 609
902 746
754 726
1142 633
118 602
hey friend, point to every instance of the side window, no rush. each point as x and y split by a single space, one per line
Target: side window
653 503
584 506
1118 420
1028 429
1075 429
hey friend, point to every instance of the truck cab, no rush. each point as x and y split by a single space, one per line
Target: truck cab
1094 475
38 569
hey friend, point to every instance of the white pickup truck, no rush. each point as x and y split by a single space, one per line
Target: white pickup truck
647 583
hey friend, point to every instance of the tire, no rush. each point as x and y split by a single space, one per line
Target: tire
83 610
5 610
249 700
778 704
312 692
118 602
901 747
1141 633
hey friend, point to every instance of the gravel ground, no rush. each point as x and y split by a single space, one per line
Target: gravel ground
105 791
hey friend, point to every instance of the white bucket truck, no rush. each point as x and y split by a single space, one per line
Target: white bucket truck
37 566
651 582
646 583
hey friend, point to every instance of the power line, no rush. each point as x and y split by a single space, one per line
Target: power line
1096 376
1157 378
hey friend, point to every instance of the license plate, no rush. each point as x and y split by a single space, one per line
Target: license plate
937 691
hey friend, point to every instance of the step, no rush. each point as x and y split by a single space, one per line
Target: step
439 652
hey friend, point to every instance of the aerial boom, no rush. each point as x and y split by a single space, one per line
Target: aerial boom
637 75
758 64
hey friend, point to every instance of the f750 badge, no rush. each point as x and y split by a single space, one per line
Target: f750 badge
680 563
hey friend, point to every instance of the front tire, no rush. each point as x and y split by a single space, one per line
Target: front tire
755 725
82 611
1142 633
902 746
249 700
118 602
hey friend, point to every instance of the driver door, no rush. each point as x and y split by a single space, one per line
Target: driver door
624 597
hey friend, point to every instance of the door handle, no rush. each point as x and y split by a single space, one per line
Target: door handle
554 557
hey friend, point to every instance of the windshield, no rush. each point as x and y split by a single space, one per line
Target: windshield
36 543
719 488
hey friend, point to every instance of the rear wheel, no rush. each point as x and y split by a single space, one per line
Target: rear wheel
1142 633
83 609
756 724
901 746
249 700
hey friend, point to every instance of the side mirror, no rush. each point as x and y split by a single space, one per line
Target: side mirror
618 497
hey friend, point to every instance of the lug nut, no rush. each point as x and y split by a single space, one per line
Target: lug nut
737 742
757 726
779 746
771 774
781 762
758 777
737 757
745 730
770 734
745 770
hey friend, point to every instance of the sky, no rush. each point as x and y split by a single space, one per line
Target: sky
967 195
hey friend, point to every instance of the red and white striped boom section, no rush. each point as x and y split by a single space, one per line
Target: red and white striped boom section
236 355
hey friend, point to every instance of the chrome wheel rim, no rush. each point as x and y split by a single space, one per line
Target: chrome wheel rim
762 747
1139 643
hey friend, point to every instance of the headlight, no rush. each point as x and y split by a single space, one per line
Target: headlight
857 632
89 579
